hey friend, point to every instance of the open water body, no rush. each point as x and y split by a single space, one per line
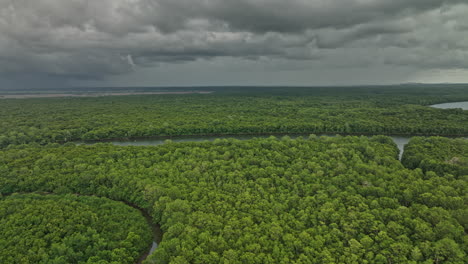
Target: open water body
462 105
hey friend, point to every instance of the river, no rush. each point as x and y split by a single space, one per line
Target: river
157 234
399 140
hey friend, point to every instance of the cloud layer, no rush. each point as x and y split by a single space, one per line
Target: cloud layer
86 39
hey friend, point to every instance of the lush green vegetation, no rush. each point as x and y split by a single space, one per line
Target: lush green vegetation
438 154
317 200
381 110
63 229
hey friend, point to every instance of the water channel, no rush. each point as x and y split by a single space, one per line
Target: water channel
399 140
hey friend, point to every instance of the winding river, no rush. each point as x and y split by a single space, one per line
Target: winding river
399 140
157 233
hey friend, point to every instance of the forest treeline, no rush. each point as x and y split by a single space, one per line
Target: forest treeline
382 110
314 200
64 229
437 154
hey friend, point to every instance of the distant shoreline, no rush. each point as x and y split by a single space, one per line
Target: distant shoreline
55 95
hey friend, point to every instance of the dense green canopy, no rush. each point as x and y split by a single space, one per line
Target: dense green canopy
305 200
63 229
381 110
438 154
315 200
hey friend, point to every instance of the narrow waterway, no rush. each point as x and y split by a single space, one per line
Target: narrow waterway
400 141
157 234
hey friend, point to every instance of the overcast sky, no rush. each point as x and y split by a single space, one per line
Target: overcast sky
231 42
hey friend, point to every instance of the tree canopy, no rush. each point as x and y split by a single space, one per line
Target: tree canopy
438 154
61 229
381 110
270 200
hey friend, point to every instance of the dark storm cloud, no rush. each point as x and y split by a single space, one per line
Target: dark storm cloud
331 39
290 16
92 39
